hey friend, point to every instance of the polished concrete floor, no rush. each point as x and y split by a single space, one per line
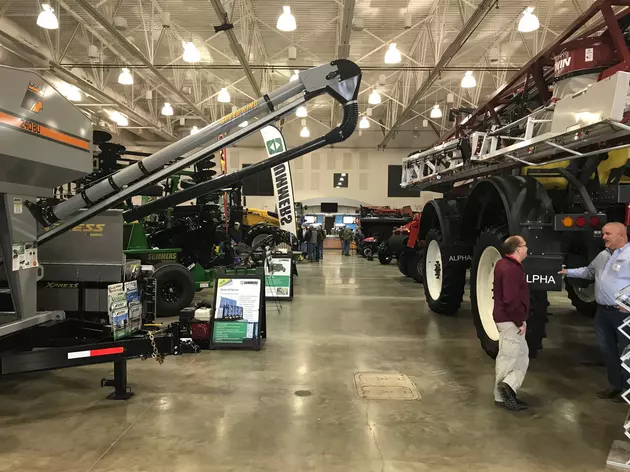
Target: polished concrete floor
238 411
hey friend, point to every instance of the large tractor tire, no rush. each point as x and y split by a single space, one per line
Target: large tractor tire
486 254
583 299
415 266
443 284
384 254
175 288
402 263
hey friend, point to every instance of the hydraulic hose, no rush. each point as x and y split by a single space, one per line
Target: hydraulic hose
336 135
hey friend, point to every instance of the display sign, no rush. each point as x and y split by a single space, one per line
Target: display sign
279 277
281 176
238 317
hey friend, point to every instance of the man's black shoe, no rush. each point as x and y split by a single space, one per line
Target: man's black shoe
521 403
503 405
609 393
508 396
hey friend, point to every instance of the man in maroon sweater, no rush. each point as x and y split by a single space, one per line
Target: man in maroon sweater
511 309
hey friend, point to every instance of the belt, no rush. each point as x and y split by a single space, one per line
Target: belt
609 307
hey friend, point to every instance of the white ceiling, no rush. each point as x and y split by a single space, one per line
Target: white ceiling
319 26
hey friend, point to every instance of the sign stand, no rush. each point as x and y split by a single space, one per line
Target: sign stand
279 277
238 319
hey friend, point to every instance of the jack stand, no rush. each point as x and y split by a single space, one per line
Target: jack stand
121 390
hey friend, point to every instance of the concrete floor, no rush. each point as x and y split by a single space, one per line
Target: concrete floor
237 411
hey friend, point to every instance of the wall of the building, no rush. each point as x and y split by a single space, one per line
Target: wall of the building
313 177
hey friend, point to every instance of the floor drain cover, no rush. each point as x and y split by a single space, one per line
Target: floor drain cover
302 393
385 386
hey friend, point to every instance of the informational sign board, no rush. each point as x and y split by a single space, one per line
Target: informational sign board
279 277
124 308
238 318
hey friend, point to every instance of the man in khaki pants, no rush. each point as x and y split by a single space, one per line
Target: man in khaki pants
511 309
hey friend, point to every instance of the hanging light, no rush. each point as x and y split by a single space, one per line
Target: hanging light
191 53
468 81
286 21
450 98
167 109
425 123
436 112
295 76
528 22
47 18
364 123
194 130
122 120
125 77
243 124
392 56
224 96
301 112
374 98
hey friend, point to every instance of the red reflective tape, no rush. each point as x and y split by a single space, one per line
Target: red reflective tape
107 352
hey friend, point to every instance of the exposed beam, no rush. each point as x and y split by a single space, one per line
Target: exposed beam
133 51
473 22
236 47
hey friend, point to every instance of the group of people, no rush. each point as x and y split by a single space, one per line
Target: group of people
311 239
611 272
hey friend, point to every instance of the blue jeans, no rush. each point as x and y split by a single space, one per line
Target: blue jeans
345 248
612 343
313 252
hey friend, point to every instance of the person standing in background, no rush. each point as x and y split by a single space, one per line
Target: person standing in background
346 237
320 241
312 244
611 272
511 310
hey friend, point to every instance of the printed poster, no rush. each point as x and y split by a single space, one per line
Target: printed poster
237 310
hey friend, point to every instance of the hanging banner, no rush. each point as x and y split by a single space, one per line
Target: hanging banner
281 176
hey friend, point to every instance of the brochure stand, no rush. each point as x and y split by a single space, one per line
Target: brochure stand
279 276
238 319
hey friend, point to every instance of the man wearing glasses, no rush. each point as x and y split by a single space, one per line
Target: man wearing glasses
511 309
611 272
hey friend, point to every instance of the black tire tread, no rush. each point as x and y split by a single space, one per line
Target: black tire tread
453 283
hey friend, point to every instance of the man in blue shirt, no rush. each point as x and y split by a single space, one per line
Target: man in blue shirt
611 272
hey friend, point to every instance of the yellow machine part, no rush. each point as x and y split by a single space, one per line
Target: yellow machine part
615 159
253 216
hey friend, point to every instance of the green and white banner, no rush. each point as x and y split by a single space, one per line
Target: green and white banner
281 176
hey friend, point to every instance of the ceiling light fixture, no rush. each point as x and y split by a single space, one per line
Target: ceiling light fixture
436 112
450 98
425 123
194 130
528 22
364 123
122 120
301 112
191 53
343 174
47 18
167 109
286 21
125 77
392 56
224 96
374 98
468 81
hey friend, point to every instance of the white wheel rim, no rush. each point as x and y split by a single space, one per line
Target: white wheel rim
485 299
434 270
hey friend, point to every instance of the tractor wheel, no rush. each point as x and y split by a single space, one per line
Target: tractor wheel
367 251
486 254
384 255
583 299
175 288
402 263
415 266
259 232
443 284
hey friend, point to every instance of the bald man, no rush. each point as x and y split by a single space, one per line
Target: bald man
611 272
